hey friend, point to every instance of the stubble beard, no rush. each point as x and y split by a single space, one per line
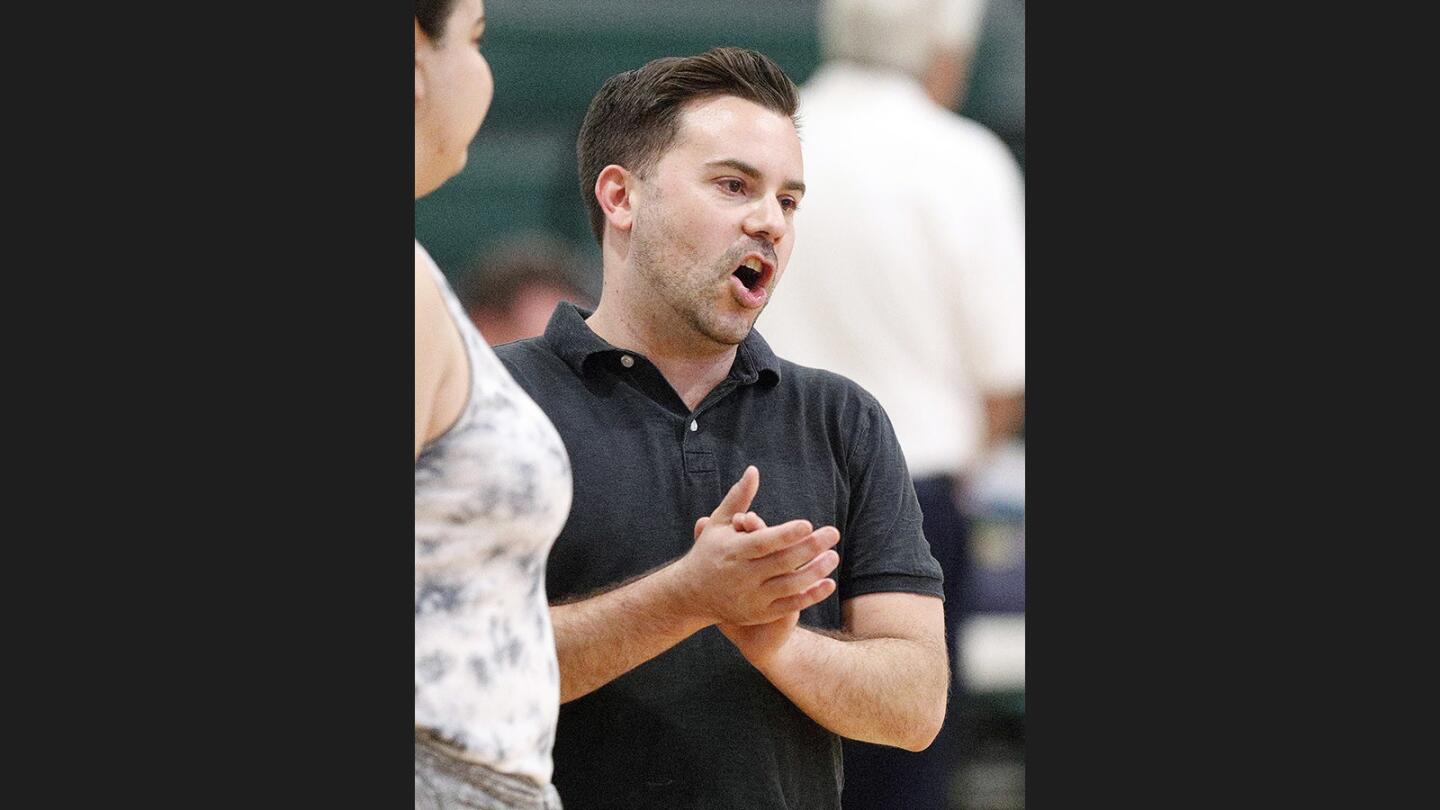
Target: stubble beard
681 290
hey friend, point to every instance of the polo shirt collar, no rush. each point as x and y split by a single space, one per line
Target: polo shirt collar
575 342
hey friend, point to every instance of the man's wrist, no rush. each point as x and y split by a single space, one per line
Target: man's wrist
675 597
778 659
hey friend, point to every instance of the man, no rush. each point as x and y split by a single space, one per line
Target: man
723 679
914 263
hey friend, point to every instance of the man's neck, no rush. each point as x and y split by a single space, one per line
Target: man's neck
693 366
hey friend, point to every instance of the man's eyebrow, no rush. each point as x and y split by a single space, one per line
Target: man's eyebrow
754 173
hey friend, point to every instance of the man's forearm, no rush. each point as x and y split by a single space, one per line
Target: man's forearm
890 691
755 576
601 638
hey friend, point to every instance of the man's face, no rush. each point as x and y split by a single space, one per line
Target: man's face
722 197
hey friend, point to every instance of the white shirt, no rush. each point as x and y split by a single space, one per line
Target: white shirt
908 272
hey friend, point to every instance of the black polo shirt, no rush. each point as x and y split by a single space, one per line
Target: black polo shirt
698 727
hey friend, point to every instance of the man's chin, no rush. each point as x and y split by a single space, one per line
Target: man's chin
729 334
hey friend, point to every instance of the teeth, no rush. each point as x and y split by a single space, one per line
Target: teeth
754 264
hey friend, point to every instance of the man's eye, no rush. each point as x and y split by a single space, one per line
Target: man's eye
733 186
789 203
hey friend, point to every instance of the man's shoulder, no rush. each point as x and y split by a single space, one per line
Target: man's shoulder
812 376
526 351
964 145
827 386
916 130
532 363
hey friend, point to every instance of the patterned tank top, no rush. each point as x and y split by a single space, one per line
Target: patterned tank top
491 495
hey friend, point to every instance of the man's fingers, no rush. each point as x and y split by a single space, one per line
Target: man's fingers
747 522
813 595
803 578
700 526
792 557
740 495
767 541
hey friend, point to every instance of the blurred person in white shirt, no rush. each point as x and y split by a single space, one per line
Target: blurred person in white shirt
910 280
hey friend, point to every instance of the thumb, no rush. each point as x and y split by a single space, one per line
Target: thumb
739 497
700 526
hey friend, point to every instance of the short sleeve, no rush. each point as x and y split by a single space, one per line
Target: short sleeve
883 548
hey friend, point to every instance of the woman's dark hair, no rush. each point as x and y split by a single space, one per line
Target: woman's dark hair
432 16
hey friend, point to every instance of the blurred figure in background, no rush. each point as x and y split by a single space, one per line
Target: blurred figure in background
910 280
511 290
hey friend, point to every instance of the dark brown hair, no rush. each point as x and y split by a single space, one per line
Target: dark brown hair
635 116
432 16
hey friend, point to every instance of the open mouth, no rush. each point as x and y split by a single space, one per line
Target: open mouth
752 273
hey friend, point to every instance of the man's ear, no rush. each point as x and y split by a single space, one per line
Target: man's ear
615 191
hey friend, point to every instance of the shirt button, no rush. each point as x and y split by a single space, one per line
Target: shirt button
626 360
694 425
